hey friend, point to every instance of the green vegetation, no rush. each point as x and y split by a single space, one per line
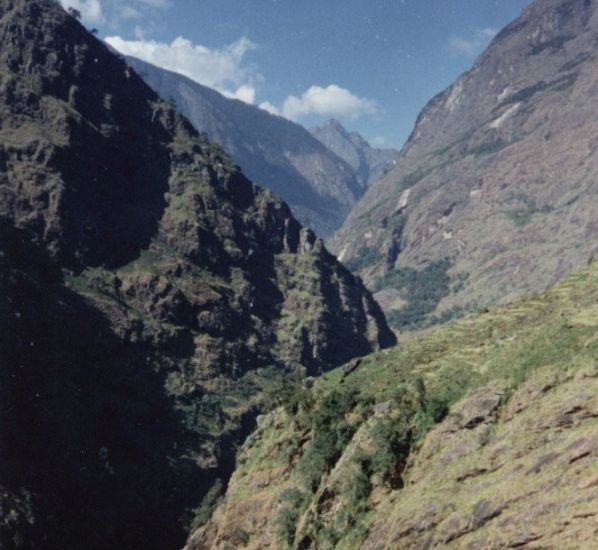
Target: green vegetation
554 44
524 94
239 537
522 216
364 258
355 429
293 504
204 511
331 433
333 419
412 178
422 289
527 93
577 60
565 82
450 314
488 148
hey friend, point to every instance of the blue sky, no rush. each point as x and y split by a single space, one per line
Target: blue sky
373 64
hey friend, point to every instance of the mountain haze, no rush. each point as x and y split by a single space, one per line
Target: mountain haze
368 162
495 192
151 298
273 151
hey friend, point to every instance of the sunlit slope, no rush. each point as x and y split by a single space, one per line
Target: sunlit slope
482 434
494 195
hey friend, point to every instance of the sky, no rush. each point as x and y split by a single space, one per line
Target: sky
372 64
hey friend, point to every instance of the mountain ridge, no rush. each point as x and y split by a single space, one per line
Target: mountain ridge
369 163
151 298
283 156
479 194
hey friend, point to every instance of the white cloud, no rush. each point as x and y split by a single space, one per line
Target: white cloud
91 10
223 69
139 32
113 12
475 44
272 109
330 101
244 93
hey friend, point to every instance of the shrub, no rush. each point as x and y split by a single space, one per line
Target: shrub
522 216
392 438
294 502
202 514
423 290
365 257
239 537
331 433
488 148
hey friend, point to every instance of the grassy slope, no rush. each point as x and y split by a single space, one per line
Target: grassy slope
470 433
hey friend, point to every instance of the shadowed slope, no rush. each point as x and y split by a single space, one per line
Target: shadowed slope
150 294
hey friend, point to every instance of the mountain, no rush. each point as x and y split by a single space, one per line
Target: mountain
283 156
152 299
496 191
481 434
369 163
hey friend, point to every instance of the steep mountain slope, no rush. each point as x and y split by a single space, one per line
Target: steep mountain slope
320 188
496 191
482 434
368 162
149 295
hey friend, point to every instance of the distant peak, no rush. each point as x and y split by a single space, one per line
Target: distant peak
334 123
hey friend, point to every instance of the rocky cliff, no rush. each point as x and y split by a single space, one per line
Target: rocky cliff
150 297
369 163
495 192
319 186
483 434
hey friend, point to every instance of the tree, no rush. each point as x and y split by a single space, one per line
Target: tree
74 13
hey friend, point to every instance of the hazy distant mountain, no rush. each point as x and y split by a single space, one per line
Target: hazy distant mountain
273 151
496 190
368 162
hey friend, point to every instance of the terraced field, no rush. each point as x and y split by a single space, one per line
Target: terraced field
481 434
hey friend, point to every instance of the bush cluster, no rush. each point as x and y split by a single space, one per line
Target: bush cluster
423 290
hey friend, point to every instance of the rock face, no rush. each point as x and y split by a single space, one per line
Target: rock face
495 192
150 295
481 434
369 163
320 188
